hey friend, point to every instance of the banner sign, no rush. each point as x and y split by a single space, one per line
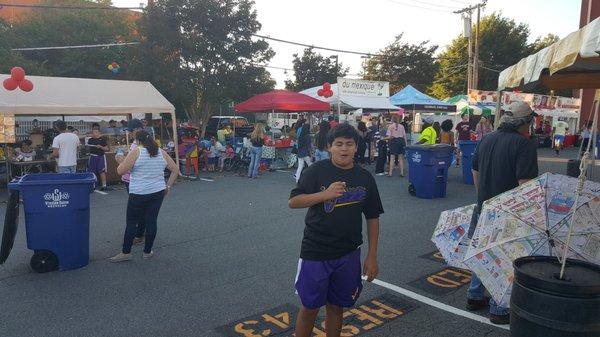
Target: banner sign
541 104
353 87
483 98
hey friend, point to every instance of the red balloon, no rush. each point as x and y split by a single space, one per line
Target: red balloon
115 64
320 92
328 93
326 86
10 84
26 85
17 74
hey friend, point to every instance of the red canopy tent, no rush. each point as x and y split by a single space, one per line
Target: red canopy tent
281 101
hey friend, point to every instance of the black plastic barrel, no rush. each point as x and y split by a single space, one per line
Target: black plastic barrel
543 305
573 168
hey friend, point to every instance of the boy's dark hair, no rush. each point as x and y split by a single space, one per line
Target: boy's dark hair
342 131
26 142
94 125
447 125
330 118
61 125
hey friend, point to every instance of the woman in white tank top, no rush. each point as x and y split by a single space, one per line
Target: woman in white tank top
147 188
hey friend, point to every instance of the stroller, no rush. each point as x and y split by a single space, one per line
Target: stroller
240 162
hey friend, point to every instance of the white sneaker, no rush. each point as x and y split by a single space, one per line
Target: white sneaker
380 174
121 257
148 255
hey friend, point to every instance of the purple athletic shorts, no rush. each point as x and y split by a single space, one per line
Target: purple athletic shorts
97 164
332 281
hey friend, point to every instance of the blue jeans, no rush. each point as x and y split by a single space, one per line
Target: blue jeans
142 208
476 291
67 169
255 156
321 155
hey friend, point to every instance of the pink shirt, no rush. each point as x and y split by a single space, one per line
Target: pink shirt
126 177
396 131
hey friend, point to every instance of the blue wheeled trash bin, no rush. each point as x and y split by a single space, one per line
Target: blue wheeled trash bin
428 169
57 218
467 149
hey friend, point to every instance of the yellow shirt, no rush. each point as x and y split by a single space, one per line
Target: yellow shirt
429 135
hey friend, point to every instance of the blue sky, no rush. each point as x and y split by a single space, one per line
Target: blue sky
371 25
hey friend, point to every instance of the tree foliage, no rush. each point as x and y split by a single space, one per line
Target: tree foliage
402 63
312 69
543 42
202 53
59 27
503 42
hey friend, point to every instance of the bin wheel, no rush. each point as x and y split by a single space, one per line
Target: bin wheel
43 261
411 190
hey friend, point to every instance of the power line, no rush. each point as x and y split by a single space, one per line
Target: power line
70 7
436 5
315 47
78 47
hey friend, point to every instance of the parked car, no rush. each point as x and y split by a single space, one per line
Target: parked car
242 126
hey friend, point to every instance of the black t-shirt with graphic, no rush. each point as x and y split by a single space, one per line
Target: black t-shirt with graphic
97 141
334 228
502 158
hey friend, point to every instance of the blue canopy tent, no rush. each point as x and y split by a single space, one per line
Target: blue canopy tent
413 100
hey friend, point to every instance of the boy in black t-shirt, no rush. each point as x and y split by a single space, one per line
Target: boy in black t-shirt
337 193
97 162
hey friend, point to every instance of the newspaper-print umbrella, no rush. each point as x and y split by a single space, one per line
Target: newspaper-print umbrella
533 219
450 234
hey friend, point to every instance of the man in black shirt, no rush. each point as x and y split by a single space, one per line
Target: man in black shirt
337 194
503 160
97 162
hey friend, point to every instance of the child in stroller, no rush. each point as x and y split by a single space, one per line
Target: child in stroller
240 162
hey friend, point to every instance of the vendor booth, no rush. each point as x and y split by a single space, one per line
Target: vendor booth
279 153
417 103
77 100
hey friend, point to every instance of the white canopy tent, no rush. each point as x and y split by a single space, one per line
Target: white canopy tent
60 96
352 101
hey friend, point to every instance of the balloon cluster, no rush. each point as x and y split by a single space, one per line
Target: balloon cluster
114 67
325 91
17 79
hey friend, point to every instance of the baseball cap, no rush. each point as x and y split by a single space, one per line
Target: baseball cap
134 124
428 120
518 110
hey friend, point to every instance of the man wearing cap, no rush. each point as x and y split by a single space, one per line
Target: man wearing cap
428 135
133 126
503 160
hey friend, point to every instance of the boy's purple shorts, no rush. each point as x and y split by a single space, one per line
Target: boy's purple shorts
97 164
332 281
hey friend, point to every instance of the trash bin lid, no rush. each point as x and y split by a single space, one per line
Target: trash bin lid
436 147
55 179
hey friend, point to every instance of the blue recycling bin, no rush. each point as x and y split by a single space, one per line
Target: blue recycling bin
428 169
57 218
467 149
598 147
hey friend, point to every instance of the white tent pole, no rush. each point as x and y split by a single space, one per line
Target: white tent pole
175 137
582 177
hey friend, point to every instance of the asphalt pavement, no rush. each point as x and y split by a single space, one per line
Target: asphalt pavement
225 261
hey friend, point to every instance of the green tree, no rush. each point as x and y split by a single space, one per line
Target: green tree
10 58
313 69
503 42
203 53
60 27
543 42
402 63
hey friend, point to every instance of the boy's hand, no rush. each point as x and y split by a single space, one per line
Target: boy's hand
335 190
370 268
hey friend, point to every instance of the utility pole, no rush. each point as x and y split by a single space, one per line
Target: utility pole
473 63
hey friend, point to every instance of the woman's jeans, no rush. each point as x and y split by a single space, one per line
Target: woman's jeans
142 208
301 162
321 155
255 156
476 292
